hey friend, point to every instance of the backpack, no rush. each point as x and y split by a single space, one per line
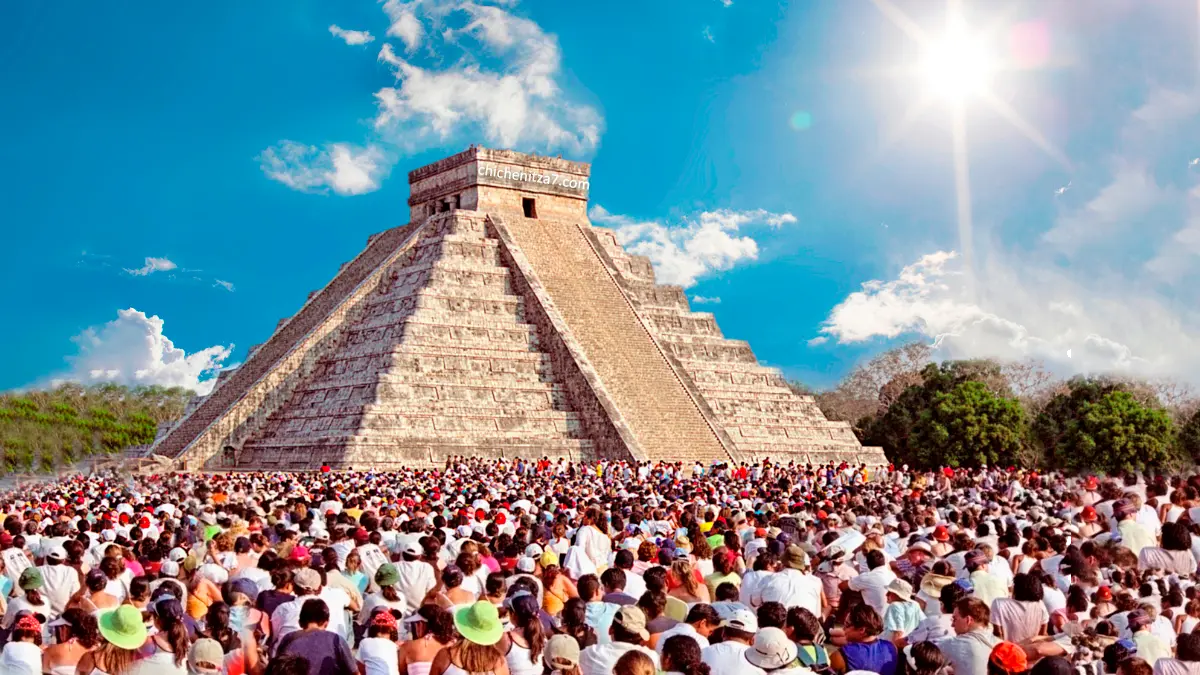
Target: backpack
816 659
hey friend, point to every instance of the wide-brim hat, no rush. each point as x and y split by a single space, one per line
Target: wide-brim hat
772 649
479 623
123 627
932 584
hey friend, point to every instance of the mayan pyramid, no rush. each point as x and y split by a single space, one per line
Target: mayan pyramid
499 323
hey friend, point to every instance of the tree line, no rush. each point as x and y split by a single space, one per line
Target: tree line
980 412
45 430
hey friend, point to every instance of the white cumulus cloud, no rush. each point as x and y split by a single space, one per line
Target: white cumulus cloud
151 266
504 87
133 350
352 37
1015 309
343 168
704 300
697 247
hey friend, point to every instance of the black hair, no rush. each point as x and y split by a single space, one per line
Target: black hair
683 654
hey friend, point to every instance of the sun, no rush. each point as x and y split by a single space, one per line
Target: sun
958 65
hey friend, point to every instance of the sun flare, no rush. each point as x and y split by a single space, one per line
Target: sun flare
958 65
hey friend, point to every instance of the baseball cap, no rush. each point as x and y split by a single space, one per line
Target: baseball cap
414 548
562 652
206 656
743 620
307 578
632 619
526 564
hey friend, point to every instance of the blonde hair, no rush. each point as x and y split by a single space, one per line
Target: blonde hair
682 569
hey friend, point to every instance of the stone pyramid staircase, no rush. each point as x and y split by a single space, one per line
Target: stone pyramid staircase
652 397
752 403
437 360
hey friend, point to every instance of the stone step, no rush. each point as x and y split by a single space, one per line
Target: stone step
727 380
406 297
776 420
791 434
412 454
498 305
415 332
740 406
648 295
413 374
677 324
692 365
469 252
396 425
438 316
748 390
367 393
708 349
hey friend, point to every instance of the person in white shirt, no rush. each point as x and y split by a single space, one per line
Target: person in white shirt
873 584
59 581
701 621
307 582
416 577
729 657
794 585
628 632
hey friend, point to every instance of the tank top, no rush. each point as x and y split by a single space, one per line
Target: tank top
519 662
422 668
877 657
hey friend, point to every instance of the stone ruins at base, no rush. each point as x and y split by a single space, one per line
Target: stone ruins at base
500 323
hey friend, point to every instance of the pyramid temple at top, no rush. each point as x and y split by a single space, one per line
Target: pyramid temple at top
500 323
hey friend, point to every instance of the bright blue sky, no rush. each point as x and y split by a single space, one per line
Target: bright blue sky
240 148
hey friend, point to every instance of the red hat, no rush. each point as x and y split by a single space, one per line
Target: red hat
144 523
480 514
300 554
501 519
821 515
1104 593
1091 483
1010 658
1089 514
361 535
940 533
385 619
28 622
6 539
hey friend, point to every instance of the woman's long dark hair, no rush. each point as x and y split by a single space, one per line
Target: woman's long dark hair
574 621
681 654
526 618
218 628
169 615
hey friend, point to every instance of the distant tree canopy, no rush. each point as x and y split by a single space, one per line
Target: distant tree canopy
42 430
968 413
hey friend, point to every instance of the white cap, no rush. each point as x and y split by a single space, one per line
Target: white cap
526 564
414 548
743 620
169 568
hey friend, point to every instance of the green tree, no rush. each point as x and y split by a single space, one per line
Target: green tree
1115 433
968 426
1189 437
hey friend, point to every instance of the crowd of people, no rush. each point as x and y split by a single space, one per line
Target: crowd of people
552 568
